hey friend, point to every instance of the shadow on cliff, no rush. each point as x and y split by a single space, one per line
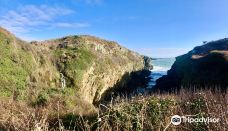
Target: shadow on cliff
208 72
127 86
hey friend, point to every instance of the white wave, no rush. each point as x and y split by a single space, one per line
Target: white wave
160 68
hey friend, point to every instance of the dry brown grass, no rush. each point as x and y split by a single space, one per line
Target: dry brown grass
140 113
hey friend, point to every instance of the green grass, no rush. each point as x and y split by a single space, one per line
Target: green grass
78 61
15 66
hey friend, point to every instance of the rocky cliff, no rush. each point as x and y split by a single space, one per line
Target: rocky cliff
85 66
203 67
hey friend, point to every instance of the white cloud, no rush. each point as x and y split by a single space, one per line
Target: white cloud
30 17
71 25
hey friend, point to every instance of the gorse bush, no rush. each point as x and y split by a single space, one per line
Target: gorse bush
41 100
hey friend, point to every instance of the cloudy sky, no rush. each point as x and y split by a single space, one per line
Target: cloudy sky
159 28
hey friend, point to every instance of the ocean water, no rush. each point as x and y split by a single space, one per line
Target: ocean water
160 68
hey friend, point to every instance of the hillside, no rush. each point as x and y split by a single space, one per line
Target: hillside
59 84
204 66
85 66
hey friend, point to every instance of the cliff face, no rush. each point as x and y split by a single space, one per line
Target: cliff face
86 66
204 66
91 65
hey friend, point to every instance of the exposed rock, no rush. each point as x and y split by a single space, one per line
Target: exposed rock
90 66
148 63
203 67
127 86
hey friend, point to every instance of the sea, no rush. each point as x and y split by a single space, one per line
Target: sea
160 68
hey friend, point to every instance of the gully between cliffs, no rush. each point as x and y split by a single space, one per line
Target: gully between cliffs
128 85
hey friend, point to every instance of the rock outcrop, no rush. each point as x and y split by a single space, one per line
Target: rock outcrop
205 66
148 63
89 66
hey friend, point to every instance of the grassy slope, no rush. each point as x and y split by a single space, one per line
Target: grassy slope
15 66
82 53
204 66
51 105
29 73
79 60
25 74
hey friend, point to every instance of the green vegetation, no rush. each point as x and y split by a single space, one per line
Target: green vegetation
209 70
31 97
15 66
30 72
204 66
73 62
140 113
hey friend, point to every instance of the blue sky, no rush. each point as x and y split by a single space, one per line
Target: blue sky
158 28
